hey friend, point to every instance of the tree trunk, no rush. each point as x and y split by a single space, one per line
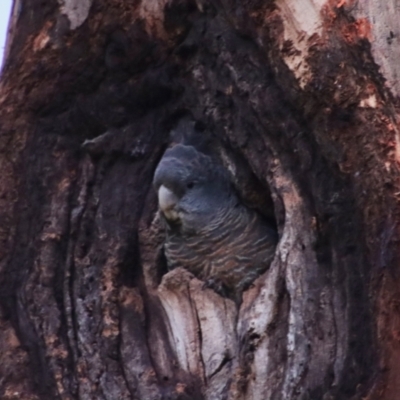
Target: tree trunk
303 118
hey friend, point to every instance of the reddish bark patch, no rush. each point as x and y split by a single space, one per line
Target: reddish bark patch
355 31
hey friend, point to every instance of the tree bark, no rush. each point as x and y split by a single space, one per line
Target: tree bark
301 100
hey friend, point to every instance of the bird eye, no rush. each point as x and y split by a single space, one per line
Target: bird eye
190 185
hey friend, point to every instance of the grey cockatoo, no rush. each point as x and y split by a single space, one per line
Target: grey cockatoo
209 231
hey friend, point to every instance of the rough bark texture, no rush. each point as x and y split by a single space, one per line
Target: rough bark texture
300 115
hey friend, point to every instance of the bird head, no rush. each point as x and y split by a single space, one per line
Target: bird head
191 187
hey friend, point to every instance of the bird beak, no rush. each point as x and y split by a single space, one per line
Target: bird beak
167 201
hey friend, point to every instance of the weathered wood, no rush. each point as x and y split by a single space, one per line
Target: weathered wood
300 114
